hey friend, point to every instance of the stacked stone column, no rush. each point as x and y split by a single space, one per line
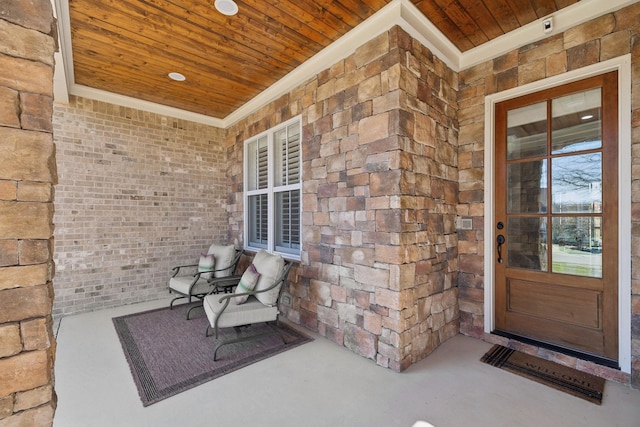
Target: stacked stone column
379 257
27 176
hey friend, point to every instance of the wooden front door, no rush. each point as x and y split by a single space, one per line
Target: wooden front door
556 216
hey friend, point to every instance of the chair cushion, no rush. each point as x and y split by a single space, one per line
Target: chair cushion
206 263
270 267
247 283
252 311
224 256
181 284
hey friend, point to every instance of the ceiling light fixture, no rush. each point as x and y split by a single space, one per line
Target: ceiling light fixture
587 117
177 77
226 7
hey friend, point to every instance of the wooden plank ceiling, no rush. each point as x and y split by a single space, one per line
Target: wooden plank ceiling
128 47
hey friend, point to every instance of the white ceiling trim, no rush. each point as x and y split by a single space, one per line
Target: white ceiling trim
563 20
399 12
60 88
420 28
139 104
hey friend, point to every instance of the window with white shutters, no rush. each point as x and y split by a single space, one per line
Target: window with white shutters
273 187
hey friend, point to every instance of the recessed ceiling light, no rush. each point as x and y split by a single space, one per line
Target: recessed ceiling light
226 7
587 117
177 77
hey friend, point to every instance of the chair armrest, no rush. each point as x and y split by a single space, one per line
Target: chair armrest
177 268
234 278
282 278
240 294
223 282
225 300
196 275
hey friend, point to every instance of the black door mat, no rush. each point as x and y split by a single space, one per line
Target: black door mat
563 378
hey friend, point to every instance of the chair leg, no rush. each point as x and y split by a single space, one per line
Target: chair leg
192 308
174 300
215 351
274 331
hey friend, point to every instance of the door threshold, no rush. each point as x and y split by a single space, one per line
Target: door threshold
609 363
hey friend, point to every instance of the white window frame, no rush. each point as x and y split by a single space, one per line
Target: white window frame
271 190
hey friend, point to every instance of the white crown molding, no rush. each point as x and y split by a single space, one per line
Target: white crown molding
398 12
420 28
563 20
138 104
60 87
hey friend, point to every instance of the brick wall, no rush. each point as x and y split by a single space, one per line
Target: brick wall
27 176
606 37
138 193
379 256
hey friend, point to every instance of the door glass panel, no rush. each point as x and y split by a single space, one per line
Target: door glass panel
576 122
577 246
527 187
577 183
527 243
527 131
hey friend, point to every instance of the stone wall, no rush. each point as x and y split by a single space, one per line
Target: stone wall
27 176
379 257
138 193
606 37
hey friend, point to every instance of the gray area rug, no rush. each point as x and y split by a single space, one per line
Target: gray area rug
168 354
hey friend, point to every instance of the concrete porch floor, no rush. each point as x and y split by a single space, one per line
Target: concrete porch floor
317 384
